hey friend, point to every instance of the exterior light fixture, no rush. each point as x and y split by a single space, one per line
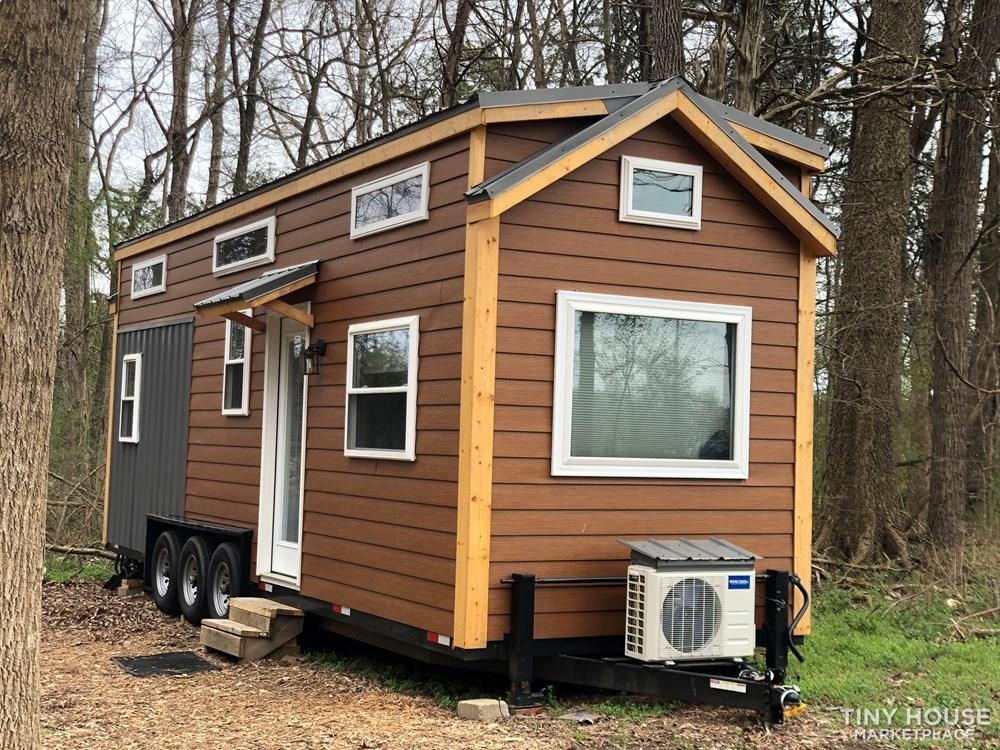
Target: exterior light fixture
313 354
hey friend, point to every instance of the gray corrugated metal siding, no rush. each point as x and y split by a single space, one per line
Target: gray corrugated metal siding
148 476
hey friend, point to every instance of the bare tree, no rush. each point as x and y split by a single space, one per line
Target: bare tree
41 45
666 39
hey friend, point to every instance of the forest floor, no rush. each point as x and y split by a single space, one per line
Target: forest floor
358 698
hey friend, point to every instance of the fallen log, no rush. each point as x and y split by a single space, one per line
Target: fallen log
84 551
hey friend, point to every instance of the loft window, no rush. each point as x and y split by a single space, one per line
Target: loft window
149 277
236 369
650 388
128 411
250 245
391 201
382 389
660 192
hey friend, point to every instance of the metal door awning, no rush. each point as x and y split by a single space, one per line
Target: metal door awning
266 290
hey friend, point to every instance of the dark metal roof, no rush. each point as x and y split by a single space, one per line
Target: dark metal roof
531 165
266 283
761 125
660 553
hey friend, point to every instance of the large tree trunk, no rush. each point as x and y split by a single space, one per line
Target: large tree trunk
746 64
666 39
41 46
185 16
249 98
951 238
860 515
450 64
217 99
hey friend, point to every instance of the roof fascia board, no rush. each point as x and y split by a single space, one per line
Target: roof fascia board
764 127
761 178
490 99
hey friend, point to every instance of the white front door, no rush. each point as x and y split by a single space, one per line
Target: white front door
283 452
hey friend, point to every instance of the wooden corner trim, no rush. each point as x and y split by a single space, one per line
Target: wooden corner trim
475 453
112 387
804 370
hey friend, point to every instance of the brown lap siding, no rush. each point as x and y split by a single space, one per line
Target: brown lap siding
568 237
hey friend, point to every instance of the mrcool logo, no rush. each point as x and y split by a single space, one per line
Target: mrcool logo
739 582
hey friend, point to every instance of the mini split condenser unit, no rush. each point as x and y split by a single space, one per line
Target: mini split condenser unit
689 599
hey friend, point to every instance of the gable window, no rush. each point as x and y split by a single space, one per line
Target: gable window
391 201
247 246
650 388
660 192
128 411
149 277
382 389
236 369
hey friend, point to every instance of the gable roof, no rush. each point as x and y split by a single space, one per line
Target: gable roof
481 109
704 122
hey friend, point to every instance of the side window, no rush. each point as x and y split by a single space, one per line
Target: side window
391 201
236 369
247 246
382 389
149 277
660 192
129 402
650 388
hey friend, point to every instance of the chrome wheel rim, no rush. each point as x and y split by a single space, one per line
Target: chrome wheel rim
189 581
161 577
220 589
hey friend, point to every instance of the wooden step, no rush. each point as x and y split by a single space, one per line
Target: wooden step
235 628
260 613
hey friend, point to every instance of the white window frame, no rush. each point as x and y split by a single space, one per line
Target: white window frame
412 325
627 213
162 287
563 464
135 398
226 361
260 260
421 214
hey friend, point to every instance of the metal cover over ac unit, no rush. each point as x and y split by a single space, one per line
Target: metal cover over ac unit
689 599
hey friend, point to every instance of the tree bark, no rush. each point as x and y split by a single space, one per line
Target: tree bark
216 102
185 14
746 65
453 52
861 509
666 40
41 47
250 88
951 237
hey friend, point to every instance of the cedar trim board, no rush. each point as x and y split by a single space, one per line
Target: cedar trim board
673 97
112 398
804 407
501 106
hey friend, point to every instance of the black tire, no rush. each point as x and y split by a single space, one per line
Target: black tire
225 579
192 581
165 564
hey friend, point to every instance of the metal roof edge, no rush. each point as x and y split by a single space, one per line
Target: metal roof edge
491 99
765 127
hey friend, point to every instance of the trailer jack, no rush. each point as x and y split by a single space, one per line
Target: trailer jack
725 682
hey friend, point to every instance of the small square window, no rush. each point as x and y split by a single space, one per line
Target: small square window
660 192
391 201
382 389
650 388
129 399
245 247
149 277
236 369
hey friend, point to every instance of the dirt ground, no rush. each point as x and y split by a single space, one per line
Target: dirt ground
88 702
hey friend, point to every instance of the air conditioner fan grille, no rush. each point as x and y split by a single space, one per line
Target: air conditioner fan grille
692 615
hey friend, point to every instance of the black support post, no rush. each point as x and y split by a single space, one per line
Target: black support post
520 641
776 593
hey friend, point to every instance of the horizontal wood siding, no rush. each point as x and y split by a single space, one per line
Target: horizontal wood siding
379 536
568 237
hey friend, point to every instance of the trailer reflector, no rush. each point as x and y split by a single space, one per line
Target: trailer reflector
441 640
340 610
265 586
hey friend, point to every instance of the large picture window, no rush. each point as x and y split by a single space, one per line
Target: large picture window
660 192
382 389
149 277
244 247
236 369
650 388
131 389
391 201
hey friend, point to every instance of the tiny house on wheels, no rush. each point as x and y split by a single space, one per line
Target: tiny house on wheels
424 390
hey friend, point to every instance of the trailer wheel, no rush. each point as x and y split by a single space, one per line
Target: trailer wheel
225 579
164 574
193 589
